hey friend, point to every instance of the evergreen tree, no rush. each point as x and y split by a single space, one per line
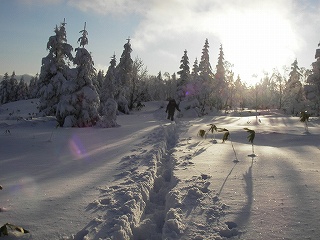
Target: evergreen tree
4 91
169 86
54 70
99 81
195 68
22 90
12 88
205 69
108 85
239 93
184 75
108 106
220 84
78 106
123 78
313 83
205 80
293 92
159 84
157 88
33 87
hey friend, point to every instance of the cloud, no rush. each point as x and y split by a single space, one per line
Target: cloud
41 2
256 35
113 7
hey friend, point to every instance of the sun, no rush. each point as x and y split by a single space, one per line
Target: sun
256 40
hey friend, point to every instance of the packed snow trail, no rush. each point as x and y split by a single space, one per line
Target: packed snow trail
133 206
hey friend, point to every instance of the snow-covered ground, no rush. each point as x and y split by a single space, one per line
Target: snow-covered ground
155 179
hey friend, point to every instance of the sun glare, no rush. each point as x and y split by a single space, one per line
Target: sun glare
256 41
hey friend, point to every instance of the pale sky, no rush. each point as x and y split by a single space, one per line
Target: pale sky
256 35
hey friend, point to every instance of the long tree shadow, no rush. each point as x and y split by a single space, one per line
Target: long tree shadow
225 180
244 214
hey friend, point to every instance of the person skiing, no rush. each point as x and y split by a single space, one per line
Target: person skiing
171 107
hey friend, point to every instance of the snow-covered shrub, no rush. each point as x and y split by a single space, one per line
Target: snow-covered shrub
190 108
123 104
109 114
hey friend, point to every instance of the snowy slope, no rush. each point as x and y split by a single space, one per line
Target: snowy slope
155 179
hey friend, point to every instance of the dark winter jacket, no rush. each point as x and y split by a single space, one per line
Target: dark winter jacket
172 105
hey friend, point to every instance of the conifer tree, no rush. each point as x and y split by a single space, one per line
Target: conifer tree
4 91
239 93
123 77
313 83
108 85
220 84
33 87
12 88
99 81
205 69
54 70
205 87
184 75
195 68
293 92
22 90
157 88
195 82
108 106
79 102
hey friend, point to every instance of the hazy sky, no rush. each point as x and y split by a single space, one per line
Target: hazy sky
255 35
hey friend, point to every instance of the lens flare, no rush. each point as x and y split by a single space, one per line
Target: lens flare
25 185
76 147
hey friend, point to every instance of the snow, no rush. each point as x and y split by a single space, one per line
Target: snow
150 178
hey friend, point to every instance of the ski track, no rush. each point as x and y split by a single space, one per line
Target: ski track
149 200
135 206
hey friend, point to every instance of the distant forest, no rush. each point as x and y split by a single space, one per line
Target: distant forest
127 84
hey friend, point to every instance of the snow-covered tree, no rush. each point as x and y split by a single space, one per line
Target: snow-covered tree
293 91
108 106
108 85
99 81
137 90
205 69
184 76
162 86
12 88
54 70
239 93
109 114
4 91
312 88
123 78
220 83
279 80
205 79
78 106
158 88
195 68
33 87
22 90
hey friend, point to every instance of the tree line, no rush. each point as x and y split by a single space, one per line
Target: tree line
70 88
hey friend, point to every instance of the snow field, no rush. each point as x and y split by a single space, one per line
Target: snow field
151 178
